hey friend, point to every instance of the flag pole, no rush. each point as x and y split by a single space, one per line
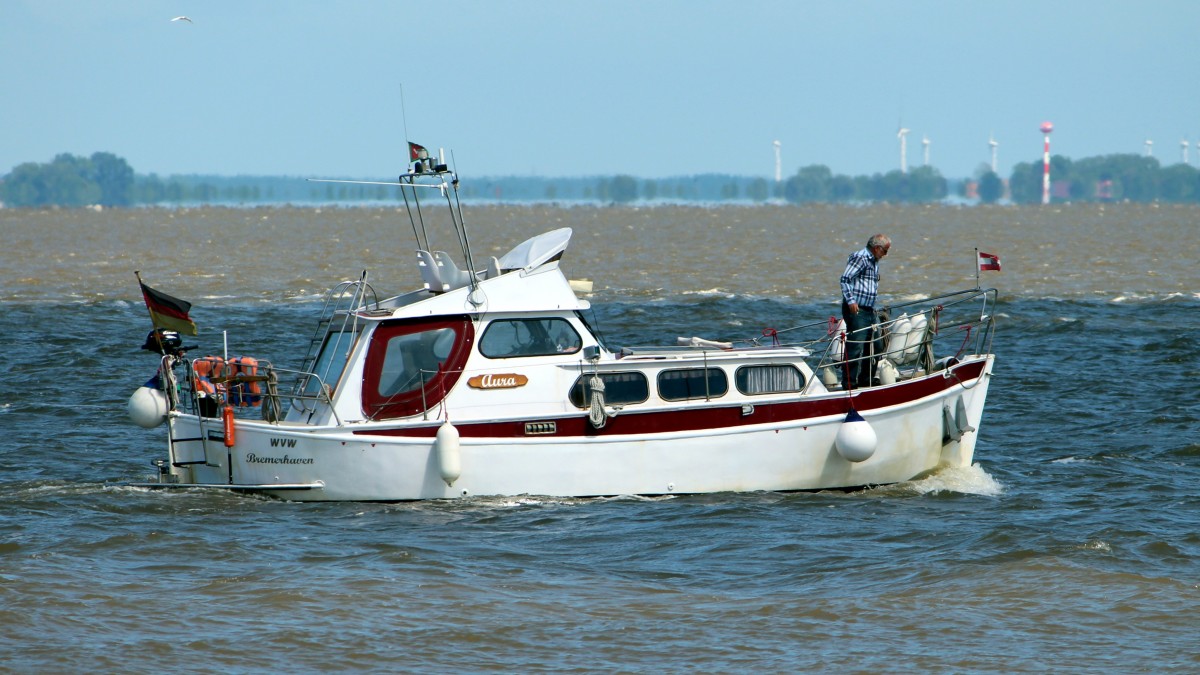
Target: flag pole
977 285
141 289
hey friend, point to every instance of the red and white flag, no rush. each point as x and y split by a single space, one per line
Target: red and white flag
989 262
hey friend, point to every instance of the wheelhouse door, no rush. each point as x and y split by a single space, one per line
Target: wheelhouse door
413 363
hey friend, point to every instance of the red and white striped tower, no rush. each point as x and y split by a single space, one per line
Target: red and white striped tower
1046 129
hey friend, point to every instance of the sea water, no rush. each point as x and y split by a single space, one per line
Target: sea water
1073 543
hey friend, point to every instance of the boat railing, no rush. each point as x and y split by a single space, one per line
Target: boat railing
210 384
914 337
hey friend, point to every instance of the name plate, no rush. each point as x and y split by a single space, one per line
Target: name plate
501 381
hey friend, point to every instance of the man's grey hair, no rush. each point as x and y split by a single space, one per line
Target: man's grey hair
878 240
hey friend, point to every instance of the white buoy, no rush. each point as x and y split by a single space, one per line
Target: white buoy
856 439
148 407
446 448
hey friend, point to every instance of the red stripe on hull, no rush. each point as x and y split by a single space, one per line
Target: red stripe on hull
706 418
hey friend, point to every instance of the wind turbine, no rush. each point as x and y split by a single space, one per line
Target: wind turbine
925 147
1183 148
993 145
1149 148
1046 128
778 163
901 134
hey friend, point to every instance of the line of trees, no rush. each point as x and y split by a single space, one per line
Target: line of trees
68 180
108 180
1125 177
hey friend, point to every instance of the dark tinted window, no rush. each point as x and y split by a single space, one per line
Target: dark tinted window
689 383
619 389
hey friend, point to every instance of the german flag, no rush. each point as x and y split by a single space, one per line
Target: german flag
168 312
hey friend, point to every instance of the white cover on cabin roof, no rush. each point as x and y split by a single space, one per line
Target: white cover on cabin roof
536 250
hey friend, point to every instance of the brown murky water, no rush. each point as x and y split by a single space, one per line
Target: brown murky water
1106 252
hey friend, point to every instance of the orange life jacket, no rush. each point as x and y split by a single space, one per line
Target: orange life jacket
205 369
244 393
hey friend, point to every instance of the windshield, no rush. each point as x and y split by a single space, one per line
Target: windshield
331 361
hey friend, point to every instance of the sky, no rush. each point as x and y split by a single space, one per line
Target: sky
649 88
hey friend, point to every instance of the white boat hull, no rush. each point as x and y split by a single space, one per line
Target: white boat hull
789 449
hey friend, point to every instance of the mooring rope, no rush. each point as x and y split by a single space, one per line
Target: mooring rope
596 414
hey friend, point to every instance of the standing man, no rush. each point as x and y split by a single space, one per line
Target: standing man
860 288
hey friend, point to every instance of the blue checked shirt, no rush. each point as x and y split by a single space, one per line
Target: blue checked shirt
860 281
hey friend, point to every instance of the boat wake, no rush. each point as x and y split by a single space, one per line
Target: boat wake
967 480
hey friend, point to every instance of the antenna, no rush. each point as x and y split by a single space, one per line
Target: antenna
901 134
404 118
993 144
778 162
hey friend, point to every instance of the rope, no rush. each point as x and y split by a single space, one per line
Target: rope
773 334
596 414
958 379
272 411
845 367
963 347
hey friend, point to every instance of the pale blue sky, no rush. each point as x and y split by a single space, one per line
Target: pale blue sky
651 88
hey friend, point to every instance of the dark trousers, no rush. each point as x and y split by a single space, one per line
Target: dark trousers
858 371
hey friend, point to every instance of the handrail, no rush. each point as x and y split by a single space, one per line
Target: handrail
944 325
272 399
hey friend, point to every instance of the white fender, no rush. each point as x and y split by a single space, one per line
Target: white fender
445 446
896 343
856 439
916 333
838 349
148 407
829 376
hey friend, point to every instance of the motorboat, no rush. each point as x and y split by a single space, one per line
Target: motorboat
489 379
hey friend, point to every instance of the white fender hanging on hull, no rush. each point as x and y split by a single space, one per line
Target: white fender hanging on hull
148 407
445 446
856 440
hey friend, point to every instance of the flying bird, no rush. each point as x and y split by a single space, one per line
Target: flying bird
182 18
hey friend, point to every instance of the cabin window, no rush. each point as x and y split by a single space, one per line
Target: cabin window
769 379
411 365
692 383
619 389
508 338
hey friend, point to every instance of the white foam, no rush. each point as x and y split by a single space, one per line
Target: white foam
970 480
